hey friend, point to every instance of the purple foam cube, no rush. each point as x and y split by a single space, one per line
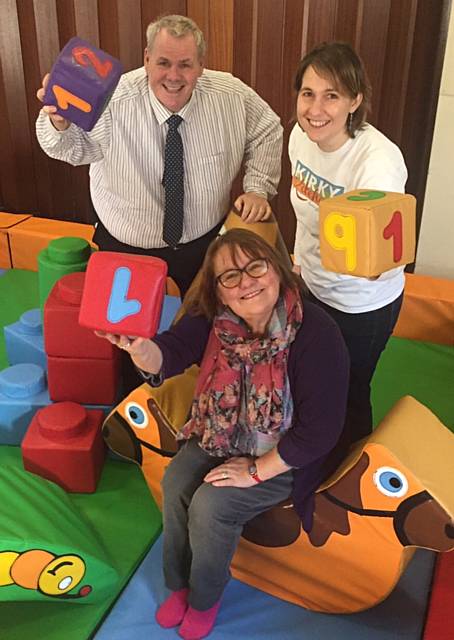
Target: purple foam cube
81 82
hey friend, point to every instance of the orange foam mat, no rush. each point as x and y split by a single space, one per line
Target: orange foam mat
428 310
7 221
34 234
5 258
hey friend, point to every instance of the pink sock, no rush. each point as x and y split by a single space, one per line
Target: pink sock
172 610
198 624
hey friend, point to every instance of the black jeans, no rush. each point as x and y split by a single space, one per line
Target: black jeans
365 335
183 262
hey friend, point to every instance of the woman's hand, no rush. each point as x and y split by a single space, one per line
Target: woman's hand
234 472
145 354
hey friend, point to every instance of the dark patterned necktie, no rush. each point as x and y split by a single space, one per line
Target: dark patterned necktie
173 181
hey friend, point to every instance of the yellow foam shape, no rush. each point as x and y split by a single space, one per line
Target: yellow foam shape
34 234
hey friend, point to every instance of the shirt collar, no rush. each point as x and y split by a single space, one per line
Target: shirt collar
163 114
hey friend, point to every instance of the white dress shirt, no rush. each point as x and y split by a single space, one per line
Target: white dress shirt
224 123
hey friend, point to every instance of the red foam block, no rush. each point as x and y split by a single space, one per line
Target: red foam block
84 380
63 335
64 444
123 293
440 615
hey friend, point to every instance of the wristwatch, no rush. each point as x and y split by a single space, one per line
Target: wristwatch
252 468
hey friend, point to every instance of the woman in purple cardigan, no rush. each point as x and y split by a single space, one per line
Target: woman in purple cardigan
266 420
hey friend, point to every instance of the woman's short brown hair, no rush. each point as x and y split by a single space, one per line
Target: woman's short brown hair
338 62
202 297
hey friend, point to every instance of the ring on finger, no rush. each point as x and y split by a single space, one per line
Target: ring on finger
225 475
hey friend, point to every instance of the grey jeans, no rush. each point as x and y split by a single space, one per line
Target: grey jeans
203 523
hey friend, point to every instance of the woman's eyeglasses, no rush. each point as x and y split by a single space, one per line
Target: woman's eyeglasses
232 277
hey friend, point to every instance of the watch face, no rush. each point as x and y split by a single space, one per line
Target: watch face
252 469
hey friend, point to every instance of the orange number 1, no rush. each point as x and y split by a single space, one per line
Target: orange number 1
65 98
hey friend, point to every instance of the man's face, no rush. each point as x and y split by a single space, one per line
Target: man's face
173 67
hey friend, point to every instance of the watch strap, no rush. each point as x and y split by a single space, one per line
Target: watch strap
253 472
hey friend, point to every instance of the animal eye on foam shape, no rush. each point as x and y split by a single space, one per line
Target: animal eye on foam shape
390 482
136 416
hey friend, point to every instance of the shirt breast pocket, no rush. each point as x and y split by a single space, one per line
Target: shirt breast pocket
209 172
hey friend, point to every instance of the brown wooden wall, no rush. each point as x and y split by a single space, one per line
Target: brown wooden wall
261 41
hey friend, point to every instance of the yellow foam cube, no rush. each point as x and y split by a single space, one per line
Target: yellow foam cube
366 232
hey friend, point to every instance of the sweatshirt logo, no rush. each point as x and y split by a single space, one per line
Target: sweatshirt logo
310 186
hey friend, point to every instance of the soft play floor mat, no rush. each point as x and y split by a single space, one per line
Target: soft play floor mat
249 614
126 521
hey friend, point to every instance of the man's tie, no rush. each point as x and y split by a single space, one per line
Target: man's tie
173 181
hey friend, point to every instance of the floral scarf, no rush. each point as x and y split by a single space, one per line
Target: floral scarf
243 388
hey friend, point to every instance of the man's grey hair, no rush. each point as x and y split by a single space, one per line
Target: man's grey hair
177 26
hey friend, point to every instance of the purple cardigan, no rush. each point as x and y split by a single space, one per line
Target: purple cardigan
318 370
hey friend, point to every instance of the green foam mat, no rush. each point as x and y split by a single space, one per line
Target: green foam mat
423 370
127 522
18 293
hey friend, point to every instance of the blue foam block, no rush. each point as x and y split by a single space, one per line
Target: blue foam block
170 307
24 340
23 390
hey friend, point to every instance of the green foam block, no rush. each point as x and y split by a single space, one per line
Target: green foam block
423 370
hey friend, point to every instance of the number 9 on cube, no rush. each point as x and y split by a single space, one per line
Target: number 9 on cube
366 232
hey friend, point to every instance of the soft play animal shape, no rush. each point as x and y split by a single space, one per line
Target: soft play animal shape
394 493
49 574
48 551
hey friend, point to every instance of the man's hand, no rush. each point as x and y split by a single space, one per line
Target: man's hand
59 122
253 207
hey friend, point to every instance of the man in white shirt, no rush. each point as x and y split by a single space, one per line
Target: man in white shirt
225 124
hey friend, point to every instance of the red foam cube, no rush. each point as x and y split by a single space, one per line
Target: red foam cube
63 335
123 293
84 380
64 444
